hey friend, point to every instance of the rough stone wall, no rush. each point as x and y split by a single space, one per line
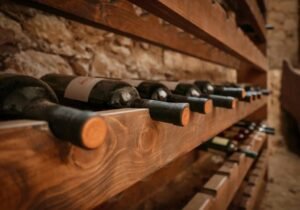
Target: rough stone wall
282 44
41 43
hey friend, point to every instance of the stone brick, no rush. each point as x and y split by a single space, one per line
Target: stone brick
37 63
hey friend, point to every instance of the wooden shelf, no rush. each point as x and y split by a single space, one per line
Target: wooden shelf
143 25
202 19
219 191
209 22
55 174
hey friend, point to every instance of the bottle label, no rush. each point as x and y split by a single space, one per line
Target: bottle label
80 88
220 141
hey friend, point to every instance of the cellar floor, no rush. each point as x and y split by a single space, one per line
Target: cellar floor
283 189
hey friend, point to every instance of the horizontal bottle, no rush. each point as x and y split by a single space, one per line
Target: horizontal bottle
208 88
101 94
190 90
225 145
24 97
256 127
159 91
237 136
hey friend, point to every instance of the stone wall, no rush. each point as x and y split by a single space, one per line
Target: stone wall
282 44
41 43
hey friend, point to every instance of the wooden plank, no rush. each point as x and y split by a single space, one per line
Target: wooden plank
248 13
131 21
135 147
209 22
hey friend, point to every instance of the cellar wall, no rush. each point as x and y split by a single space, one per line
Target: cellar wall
282 44
41 43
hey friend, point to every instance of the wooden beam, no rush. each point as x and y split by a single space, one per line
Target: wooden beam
39 171
125 18
209 22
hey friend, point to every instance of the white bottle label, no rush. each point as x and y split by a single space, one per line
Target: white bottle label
80 88
220 141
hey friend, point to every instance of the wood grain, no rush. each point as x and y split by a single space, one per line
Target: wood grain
39 171
209 22
139 24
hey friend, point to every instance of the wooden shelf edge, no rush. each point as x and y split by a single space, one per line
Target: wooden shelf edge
136 146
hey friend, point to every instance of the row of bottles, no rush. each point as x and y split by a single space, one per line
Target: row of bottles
230 140
51 98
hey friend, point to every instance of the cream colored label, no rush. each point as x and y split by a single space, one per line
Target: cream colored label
220 141
133 82
80 88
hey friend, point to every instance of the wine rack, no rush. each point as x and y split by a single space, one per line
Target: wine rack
44 172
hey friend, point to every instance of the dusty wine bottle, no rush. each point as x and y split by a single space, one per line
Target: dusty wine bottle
227 146
101 94
208 88
24 97
192 90
159 91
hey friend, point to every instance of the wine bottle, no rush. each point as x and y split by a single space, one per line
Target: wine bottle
225 145
237 136
254 126
24 97
255 92
208 88
191 90
101 94
159 91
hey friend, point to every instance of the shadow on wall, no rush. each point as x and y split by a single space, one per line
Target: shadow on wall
291 131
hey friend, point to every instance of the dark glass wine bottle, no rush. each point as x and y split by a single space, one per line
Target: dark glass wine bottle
256 127
208 88
237 136
24 97
101 94
191 90
159 91
227 146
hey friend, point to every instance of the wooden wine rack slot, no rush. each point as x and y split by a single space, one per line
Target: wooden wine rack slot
251 190
144 26
208 21
55 174
223 186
